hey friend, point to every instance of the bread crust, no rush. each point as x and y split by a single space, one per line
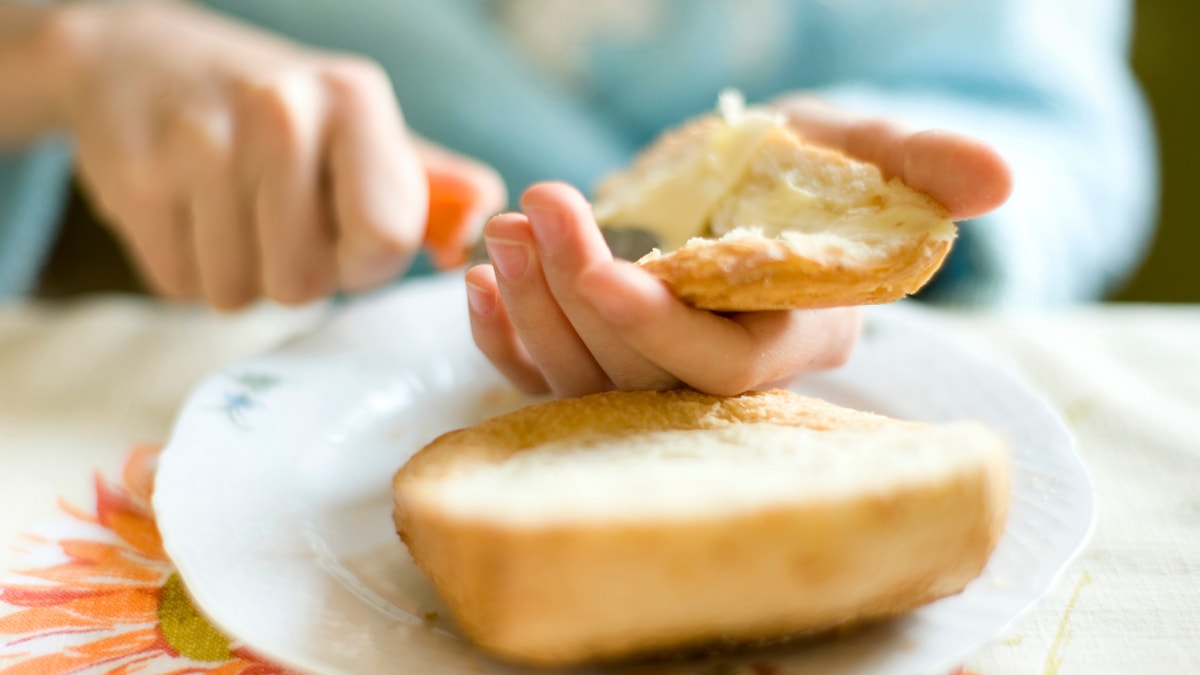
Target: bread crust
564 593
755 274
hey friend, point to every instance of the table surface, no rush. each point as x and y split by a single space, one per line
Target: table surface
81 383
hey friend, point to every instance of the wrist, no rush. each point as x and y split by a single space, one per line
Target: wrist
56 47
23 109
43 53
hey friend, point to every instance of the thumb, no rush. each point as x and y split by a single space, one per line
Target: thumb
462 194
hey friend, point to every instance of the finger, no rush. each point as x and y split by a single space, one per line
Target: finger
462 194
225 249
380 191
964 174
159 236
495 334
548 335
283 138
569 241
736 353
137 199
222 241
819 339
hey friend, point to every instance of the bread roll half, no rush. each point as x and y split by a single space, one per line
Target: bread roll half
629 523
753 217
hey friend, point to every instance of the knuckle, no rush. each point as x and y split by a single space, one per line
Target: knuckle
355 77
274 108
203 145
874 136
353 70
67 33
873 126
272 98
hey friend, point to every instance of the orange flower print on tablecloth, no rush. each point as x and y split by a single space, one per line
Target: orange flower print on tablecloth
101 596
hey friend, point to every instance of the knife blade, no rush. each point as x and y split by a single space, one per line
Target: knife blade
627 243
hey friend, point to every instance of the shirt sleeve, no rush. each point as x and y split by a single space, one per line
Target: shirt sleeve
33 186
1048 83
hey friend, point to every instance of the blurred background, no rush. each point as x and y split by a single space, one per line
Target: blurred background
1165 37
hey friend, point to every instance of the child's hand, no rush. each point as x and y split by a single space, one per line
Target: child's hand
236 165
558 313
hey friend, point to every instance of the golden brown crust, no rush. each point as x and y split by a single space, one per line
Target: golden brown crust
767 274
624 412
559 594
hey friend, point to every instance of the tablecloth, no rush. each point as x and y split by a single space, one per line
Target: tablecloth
81 384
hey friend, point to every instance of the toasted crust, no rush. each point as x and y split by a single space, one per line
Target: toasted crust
742 273
561 593
619 413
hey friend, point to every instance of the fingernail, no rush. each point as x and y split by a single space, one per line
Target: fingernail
548 229
510 257
481 299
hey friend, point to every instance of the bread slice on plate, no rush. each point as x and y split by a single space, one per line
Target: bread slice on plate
751 216
632 523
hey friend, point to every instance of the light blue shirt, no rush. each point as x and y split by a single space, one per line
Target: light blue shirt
1046 81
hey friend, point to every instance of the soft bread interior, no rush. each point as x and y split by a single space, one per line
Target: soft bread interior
690 474
746 169
826 207
673 188
750 216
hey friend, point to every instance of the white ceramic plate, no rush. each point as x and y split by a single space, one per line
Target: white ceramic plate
273 496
